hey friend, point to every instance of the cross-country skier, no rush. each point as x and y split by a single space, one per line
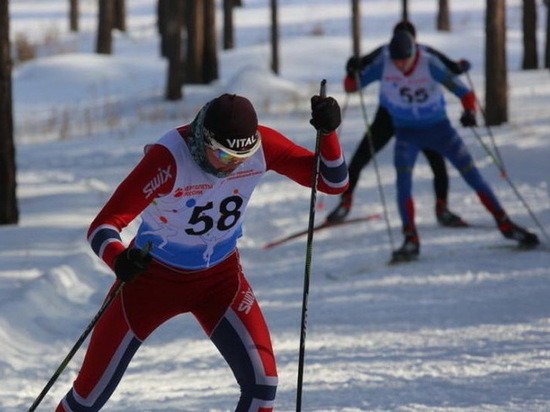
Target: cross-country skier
410 91
381 131
191 190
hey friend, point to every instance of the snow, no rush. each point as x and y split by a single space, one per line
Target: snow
465 328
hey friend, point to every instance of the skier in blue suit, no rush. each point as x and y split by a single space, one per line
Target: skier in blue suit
410 90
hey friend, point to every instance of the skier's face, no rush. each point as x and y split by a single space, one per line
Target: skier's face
403 65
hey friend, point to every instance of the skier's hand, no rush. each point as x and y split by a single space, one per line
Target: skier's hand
350 84
130 263
325 114
468 118
353 65
464 65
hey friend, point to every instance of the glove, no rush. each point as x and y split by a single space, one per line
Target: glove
468 118
325 114
353 65
130 263
464 65
350 84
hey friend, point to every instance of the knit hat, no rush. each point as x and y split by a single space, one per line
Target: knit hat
402 46
231 121
405 25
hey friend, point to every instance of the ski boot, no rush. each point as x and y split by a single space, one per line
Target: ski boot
409 250
342 210
510 230
447 218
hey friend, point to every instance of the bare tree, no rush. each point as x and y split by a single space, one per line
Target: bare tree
119 15
173 32
547 47
443 19
163 14
529 21
194 23
356 27
8 201
405 10
496 84
210 68
228 42
274 37
104 43
73 15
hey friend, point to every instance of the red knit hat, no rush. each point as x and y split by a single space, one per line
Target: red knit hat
232 122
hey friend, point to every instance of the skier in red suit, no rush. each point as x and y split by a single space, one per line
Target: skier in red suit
191 190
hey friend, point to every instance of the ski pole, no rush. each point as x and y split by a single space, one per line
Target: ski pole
76 346
512 185
373 157
309 251
106 303
496 155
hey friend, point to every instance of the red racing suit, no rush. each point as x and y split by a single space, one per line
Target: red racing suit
193 219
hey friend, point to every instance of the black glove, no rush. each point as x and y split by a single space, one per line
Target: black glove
464 65
325 114
130 263
468 118
353 65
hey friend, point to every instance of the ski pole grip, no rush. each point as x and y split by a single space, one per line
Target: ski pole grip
323 90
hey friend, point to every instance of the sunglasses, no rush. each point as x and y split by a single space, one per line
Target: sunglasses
224 155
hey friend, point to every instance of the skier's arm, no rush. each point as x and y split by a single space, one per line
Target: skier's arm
368 74
456 67
153 176
355 63
296 162
457 87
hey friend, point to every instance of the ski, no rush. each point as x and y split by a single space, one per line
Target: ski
320 226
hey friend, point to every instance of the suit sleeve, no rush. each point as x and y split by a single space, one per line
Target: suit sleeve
153 176
296 162
450 64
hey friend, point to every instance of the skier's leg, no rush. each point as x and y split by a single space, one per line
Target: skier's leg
140 307
381 131
112 346
243 339
405 155
441 188
459 156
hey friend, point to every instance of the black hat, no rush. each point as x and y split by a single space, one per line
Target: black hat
232 122
402 46
405 25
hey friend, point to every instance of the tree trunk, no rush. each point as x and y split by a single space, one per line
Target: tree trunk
274 37
356 27
496 84
163 14
73 15
530 55
405 10
119 15
8 200
547 47
104 27
173 32
228 42
195 41
443 19
210 67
